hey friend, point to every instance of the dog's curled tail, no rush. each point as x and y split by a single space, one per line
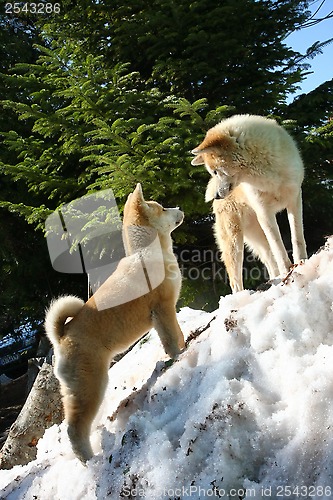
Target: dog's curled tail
60 309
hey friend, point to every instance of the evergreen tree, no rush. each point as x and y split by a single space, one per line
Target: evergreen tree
95 124
121 93
313 109
95 128
312 115
17 306
231 53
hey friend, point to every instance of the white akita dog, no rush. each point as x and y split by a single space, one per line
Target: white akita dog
99 329
256 172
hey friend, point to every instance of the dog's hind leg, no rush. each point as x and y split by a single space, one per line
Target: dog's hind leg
256 241
295 217
82 397
267 220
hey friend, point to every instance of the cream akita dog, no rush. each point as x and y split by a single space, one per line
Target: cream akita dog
256 172
97 330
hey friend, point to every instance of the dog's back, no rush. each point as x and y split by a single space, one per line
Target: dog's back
261 151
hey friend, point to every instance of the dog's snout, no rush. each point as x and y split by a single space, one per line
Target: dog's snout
223 192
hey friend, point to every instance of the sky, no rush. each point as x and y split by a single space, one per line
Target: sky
322 64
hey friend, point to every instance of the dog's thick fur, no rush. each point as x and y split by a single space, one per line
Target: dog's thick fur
256 172
85 345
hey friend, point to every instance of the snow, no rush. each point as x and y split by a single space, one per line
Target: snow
245 411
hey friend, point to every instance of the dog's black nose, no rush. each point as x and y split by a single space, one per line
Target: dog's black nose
217 196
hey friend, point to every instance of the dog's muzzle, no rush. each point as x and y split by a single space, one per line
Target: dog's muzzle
223 192
180 218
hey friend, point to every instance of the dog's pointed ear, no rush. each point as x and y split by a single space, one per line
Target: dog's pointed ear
198 159
138 191
137 196
199 152
216 141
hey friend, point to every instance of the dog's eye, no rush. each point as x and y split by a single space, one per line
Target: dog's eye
215 172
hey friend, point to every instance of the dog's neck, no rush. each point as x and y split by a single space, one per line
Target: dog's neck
140 238
137 238
166 245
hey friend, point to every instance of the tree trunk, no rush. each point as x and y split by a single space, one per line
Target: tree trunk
42 409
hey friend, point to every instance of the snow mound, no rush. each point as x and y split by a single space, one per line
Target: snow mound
246 410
